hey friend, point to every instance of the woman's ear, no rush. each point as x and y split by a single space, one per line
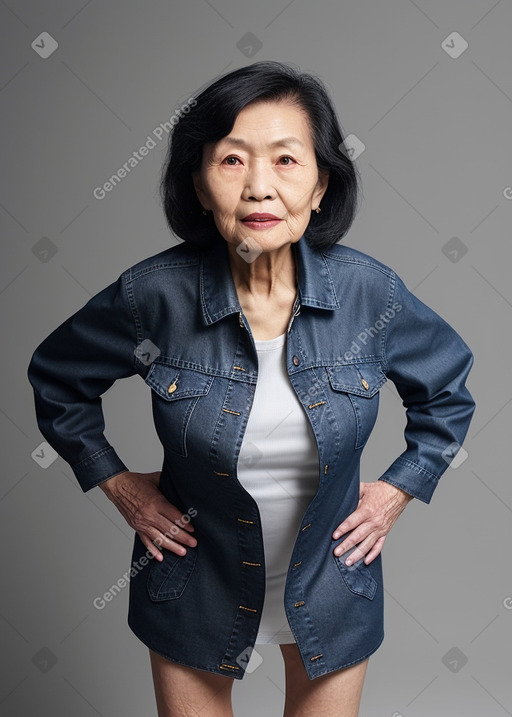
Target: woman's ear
321 187
198 186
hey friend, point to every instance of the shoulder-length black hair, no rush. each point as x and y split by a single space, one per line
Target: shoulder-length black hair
211 116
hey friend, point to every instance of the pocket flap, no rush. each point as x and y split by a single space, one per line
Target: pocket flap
363 379
172 382
167 579
357 577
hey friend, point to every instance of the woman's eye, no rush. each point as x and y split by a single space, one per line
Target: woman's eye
232 160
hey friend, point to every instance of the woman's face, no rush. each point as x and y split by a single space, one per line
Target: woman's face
267 165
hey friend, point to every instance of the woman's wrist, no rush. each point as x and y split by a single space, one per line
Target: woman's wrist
400 493
108 485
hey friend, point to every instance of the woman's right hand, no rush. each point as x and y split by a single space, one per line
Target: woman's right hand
145 508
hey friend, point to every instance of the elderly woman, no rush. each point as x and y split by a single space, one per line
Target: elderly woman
264 342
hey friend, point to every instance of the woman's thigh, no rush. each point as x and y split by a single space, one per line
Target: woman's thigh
336 694
186 692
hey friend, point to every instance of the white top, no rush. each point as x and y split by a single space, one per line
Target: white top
278 466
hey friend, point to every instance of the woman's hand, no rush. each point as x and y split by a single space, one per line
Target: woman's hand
380 504
149 513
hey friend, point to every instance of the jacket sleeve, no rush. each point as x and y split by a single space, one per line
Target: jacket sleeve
428 362
70 370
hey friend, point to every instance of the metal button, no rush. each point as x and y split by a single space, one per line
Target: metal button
172 388
365 383
296 360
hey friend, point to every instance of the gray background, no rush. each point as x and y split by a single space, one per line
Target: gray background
437 204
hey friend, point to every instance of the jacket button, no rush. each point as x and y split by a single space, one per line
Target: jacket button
172 388
365 383
296 360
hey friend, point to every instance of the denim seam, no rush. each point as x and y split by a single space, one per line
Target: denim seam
133 305
359 659
416 467
360 262
159 267
93 457
391 298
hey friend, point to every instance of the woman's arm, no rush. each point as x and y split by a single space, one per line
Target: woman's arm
70 370
429 363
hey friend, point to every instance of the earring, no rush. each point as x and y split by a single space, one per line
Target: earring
318 210
204 211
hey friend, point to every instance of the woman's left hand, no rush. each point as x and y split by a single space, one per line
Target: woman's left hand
379 506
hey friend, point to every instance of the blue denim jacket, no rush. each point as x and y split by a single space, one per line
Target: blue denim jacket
175 319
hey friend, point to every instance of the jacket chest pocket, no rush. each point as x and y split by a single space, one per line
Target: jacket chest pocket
359 384
175 395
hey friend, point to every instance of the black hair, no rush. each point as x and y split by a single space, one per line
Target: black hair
211 116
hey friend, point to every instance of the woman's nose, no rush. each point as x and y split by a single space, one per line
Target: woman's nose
259 183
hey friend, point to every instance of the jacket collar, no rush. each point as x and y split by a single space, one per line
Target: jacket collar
218 292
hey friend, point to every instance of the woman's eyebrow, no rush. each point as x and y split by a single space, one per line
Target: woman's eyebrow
282 142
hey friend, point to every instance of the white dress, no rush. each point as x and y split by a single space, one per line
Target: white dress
278 466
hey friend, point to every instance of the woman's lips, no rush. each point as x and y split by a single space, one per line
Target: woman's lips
260 224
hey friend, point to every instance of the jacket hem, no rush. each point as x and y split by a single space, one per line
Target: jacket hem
240 676
353 662
147 643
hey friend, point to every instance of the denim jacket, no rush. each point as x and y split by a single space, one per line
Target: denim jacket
175 319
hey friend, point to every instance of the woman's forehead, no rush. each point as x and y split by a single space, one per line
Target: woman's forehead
269 125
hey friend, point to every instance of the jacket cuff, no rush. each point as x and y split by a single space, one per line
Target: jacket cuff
96 468
412 478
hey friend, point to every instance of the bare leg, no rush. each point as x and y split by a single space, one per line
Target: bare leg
336 694
187 692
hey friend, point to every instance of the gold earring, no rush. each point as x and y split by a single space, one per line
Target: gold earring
318 210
